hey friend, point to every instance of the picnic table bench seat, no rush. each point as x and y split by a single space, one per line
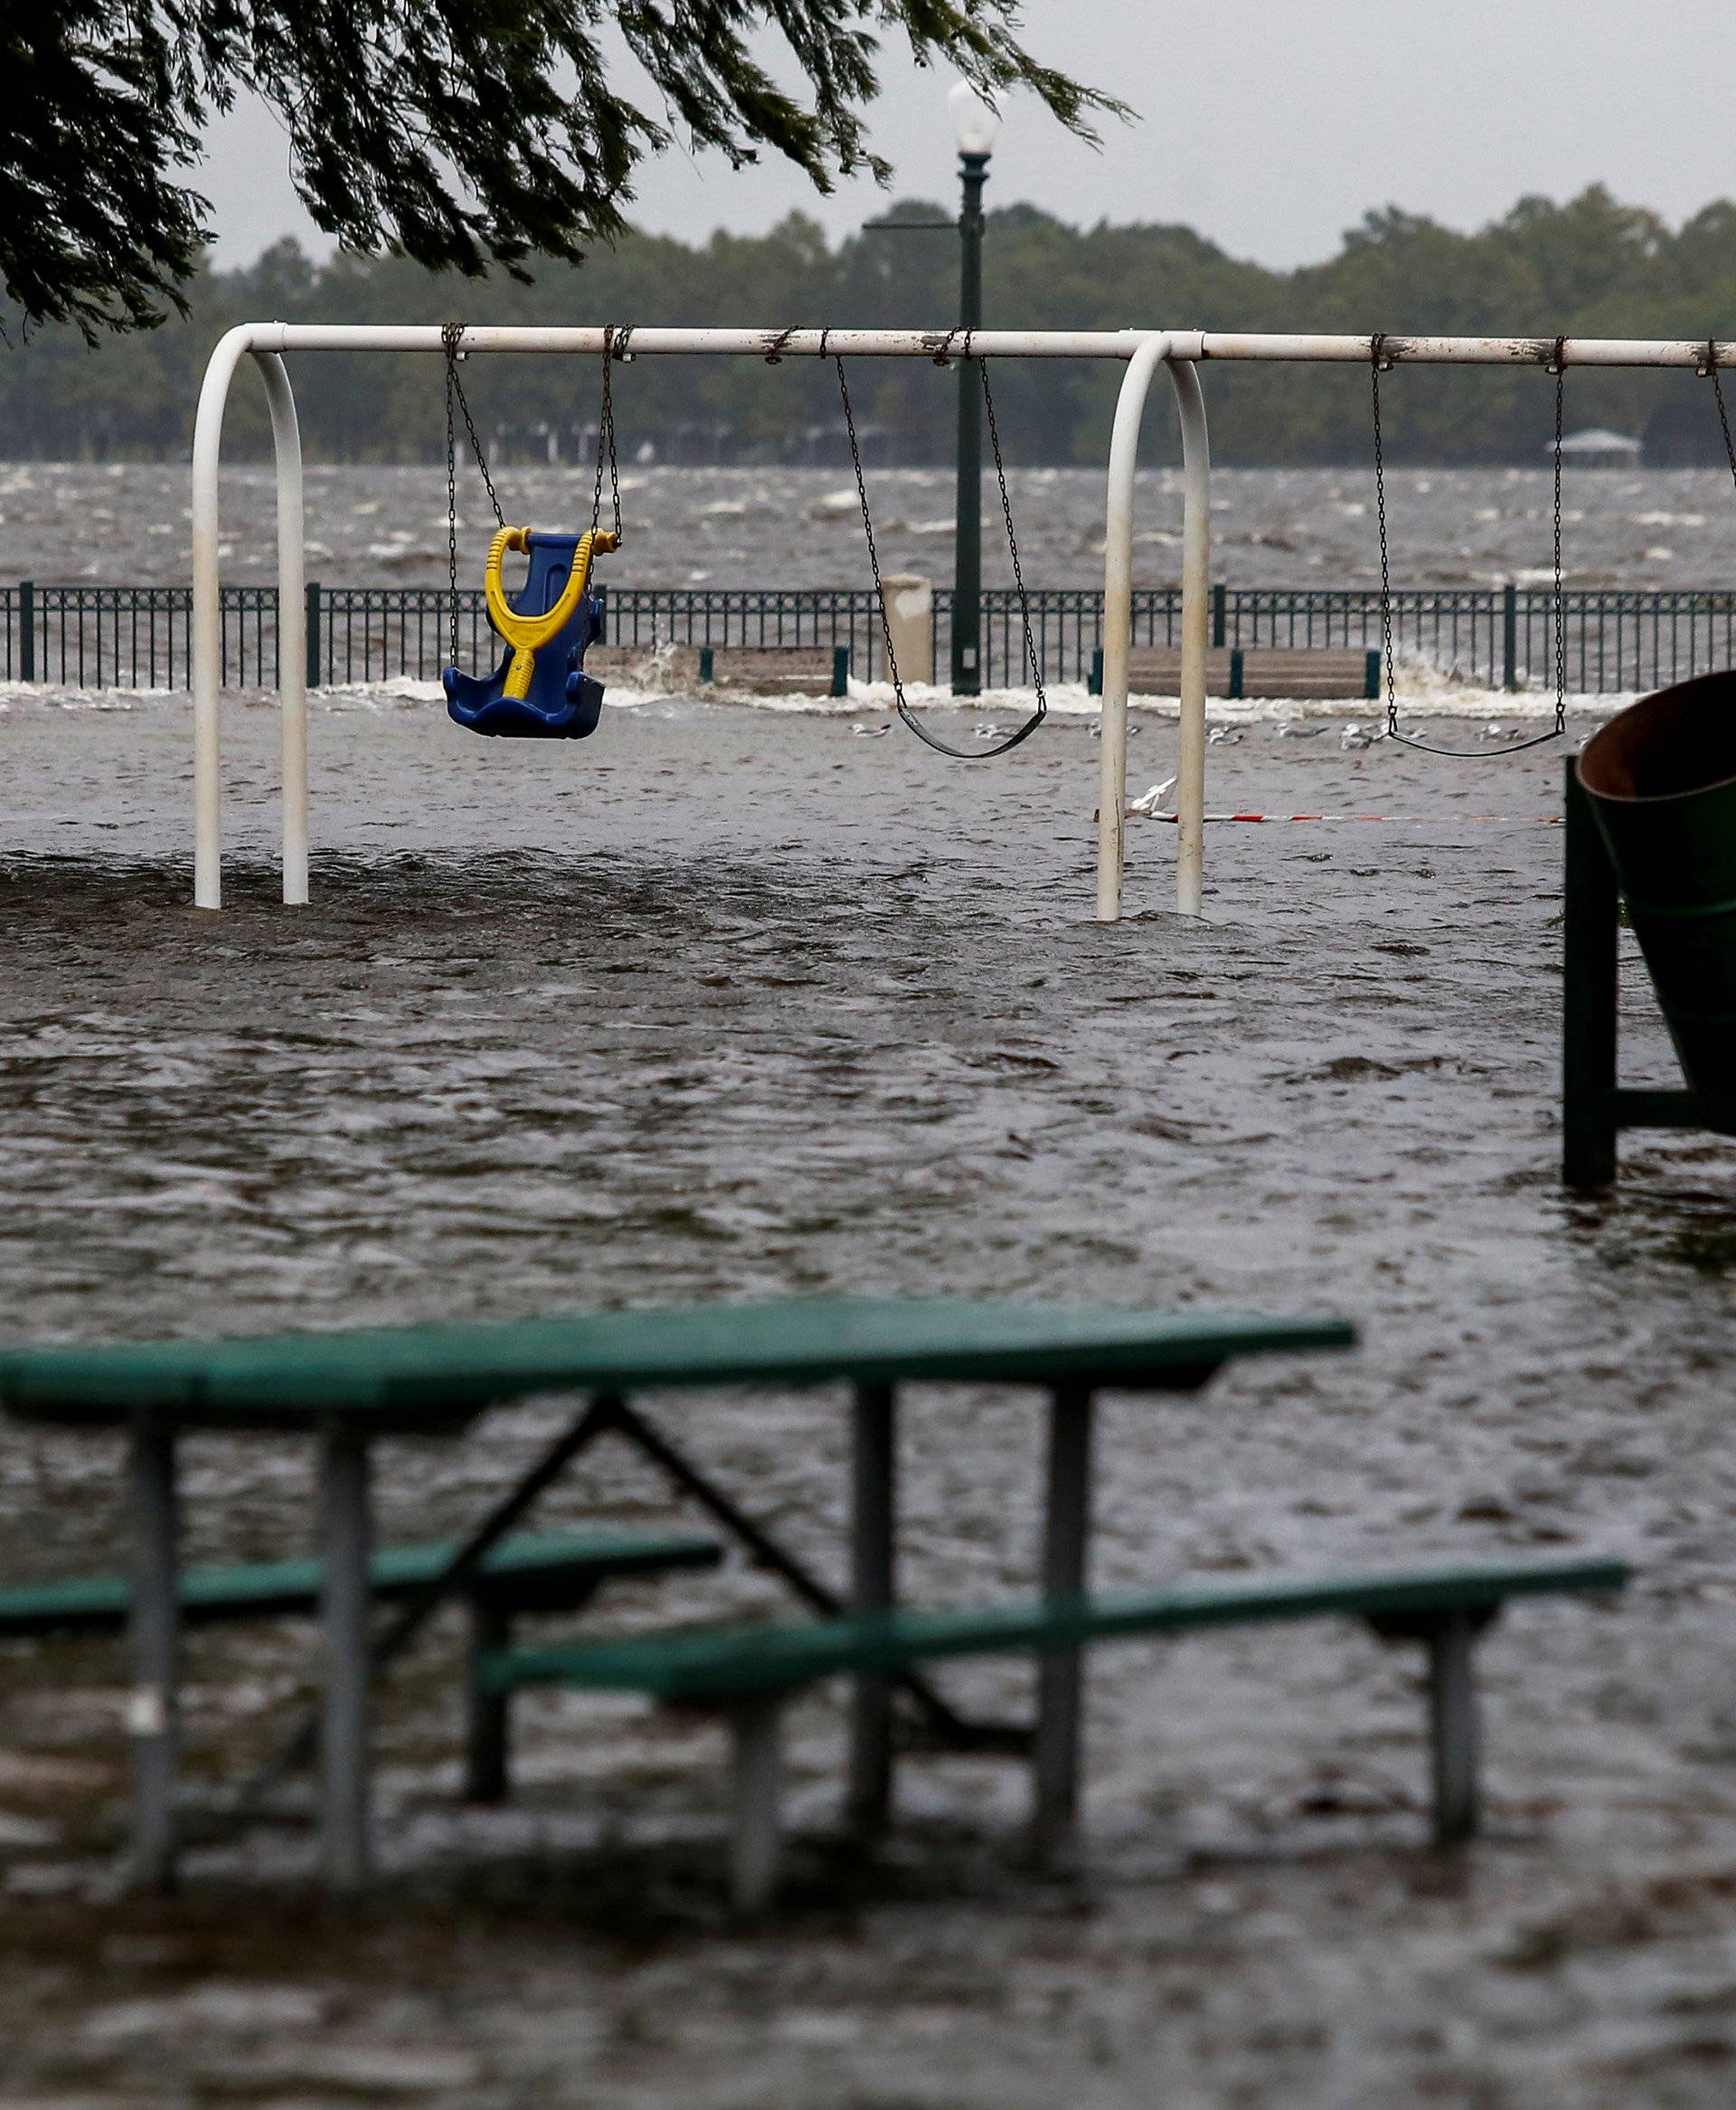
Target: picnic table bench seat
748 1672
525 1573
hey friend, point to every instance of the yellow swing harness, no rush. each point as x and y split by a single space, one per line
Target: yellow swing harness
526 633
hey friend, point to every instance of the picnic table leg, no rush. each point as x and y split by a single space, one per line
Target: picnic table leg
755 1787
485 1722
873 1588
1452 1729
153 1714
1066 1538
345 1553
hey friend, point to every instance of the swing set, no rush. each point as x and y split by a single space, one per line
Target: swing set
541 689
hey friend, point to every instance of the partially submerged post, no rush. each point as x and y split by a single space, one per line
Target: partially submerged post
908 600
1651 822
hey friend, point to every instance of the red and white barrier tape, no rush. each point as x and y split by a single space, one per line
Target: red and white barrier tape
1391 820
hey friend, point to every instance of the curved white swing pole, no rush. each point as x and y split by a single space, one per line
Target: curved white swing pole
1118 624
207 627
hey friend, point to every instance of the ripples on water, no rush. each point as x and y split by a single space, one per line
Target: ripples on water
127 524
716 1006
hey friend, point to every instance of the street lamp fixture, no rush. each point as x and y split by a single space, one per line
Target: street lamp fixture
975 119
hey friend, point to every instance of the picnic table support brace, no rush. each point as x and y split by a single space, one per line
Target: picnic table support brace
154 1709
1066 1538
950 1731
344 1598
1452 1729
755 1791
873 1588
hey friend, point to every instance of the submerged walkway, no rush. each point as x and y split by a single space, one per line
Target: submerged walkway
738 1007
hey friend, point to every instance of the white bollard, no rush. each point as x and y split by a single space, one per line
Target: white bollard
909 602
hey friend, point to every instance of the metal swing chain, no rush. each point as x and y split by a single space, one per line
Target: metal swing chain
1376 359
1379 363
1561 599
904 711
615 337
1031 655
451 332
1711 370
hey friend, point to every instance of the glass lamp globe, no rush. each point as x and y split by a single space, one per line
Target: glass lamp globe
975 118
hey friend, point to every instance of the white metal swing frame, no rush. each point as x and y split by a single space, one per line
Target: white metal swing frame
1182 351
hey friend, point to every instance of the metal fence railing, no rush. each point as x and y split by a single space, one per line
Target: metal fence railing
1501 638
140 637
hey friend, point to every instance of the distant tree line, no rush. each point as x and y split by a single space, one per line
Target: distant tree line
1591 265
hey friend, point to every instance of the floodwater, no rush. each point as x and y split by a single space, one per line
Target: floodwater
127 524
725 1005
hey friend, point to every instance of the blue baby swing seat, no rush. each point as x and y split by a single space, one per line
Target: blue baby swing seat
540 691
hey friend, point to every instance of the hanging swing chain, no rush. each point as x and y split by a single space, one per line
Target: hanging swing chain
615 340
1379 363
904 711
451 504
1558 366
1032 659
450 334
1709 367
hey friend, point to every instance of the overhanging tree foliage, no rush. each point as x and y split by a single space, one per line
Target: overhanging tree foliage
461 133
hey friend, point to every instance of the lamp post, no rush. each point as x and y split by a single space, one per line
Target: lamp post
976 124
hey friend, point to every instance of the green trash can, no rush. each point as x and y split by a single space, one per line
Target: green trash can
1661 777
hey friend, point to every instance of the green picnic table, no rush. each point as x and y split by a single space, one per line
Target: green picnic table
346 1390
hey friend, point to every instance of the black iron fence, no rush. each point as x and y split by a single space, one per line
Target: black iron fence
140 637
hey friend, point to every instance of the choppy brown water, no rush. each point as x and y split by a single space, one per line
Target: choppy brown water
127 524
725 1005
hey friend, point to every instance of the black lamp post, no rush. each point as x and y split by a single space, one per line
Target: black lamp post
978 125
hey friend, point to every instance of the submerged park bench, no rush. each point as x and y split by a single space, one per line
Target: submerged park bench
1287 673
750 1673
777 670
525 1573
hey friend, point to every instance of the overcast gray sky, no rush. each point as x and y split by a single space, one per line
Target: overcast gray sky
1269 127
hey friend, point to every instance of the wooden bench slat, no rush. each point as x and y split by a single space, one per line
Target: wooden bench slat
713 1667
525 1573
